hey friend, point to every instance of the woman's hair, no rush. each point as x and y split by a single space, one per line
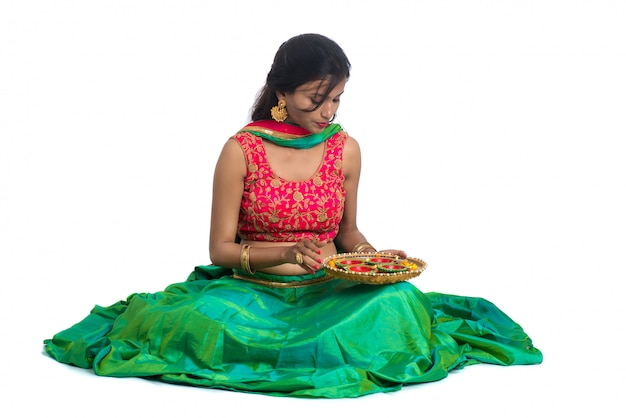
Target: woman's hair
301 59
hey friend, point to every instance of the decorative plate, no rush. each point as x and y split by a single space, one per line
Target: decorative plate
373 268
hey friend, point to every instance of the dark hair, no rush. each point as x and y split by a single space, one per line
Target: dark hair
301 59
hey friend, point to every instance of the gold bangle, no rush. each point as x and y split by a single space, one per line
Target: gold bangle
361 246
245 259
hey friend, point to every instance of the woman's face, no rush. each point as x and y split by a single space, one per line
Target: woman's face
302 101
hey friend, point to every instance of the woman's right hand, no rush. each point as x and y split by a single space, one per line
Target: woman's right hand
306 253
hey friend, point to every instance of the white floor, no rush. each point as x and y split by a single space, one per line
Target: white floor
492 136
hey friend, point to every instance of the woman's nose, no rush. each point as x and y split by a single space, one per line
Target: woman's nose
328 110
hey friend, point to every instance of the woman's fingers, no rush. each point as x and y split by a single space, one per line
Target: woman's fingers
308 254
399 253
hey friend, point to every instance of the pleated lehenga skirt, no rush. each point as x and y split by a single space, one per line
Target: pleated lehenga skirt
333 339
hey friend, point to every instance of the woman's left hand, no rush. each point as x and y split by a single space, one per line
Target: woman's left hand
399 253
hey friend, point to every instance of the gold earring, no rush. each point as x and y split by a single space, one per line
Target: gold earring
279 113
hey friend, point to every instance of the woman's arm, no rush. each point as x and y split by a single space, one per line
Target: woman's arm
349 235
349 238
228 178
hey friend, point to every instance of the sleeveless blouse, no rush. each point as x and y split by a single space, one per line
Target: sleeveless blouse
279 210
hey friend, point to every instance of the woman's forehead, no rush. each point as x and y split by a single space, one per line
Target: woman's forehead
316 86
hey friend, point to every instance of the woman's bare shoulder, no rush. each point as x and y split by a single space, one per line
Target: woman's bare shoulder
232 157
351 146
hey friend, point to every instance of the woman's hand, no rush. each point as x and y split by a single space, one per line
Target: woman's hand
306 253
399 253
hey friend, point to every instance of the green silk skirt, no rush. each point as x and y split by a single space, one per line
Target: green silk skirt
334 339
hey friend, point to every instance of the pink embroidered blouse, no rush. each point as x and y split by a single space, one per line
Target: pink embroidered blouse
274 209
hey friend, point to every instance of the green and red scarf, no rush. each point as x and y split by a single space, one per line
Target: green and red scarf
287 135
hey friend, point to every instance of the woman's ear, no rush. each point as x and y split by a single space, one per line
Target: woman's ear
280 95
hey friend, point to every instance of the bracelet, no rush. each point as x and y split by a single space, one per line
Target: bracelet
361 246
245 259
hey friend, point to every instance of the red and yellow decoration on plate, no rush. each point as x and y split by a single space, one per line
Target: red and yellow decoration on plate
373 268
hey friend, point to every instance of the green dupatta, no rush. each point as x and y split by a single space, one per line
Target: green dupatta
287 135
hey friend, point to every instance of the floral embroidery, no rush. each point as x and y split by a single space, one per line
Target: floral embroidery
274 209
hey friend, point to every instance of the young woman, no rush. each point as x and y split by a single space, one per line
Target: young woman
265 317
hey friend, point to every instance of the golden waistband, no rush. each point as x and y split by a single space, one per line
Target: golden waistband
292 284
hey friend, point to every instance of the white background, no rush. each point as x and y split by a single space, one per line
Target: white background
491 134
